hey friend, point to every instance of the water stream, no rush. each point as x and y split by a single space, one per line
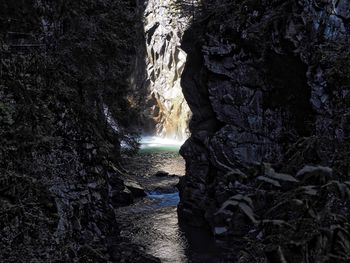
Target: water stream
152 222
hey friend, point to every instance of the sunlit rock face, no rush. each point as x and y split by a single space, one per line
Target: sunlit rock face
166 109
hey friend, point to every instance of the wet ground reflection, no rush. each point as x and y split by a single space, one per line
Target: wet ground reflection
153 224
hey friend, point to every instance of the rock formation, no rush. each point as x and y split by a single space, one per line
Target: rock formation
60 181
166 112
268 158
268 85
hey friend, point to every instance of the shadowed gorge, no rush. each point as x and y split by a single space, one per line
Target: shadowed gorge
175 131
64 64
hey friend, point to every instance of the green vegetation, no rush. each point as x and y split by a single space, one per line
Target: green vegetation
282 217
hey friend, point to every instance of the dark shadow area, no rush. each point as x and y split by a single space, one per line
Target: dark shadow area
289 91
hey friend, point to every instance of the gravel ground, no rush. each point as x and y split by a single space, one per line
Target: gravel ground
143 167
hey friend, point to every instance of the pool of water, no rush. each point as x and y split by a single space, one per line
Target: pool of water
157 144
165 199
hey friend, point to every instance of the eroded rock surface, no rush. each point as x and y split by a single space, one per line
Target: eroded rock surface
60 180
266 83
167 113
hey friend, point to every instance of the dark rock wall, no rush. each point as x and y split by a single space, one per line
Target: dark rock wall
266 81
61 61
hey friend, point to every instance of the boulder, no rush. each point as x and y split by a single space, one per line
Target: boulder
135 188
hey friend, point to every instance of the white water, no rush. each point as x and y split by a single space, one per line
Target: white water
154 141
110 120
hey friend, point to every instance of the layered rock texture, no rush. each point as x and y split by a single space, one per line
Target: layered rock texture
268 85
167 113
62 62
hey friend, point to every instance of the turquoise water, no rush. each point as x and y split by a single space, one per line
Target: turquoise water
154 144
163 148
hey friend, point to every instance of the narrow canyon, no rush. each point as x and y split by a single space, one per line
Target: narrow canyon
175 131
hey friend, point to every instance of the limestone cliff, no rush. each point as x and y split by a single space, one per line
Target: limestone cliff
268 85
166 112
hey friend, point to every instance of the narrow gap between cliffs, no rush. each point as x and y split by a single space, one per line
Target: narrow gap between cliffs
153 174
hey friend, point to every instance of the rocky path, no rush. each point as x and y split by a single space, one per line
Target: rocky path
156 171
152 221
